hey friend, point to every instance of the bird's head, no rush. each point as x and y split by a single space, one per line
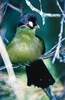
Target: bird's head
29 20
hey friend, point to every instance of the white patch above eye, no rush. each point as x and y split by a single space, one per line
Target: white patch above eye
31 23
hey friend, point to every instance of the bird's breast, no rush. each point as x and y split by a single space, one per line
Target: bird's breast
25 48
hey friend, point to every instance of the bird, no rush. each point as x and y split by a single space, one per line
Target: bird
26 47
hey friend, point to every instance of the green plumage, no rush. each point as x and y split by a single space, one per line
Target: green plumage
25 46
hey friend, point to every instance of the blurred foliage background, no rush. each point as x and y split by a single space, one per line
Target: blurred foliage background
49 32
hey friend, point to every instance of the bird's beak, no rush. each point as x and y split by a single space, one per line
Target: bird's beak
37 27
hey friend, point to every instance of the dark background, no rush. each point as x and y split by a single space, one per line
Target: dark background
49 32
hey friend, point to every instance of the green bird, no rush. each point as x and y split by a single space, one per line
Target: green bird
26 48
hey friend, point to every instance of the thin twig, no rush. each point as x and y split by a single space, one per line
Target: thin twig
4 67
3 7
59 42
15 8
59 6
54 47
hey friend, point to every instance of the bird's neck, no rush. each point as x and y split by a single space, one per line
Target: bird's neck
26 30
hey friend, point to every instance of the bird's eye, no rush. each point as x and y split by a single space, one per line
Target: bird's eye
30 23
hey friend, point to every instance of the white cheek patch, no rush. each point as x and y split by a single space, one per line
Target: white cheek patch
31 23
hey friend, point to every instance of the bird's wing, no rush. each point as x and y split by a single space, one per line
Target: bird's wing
43 44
